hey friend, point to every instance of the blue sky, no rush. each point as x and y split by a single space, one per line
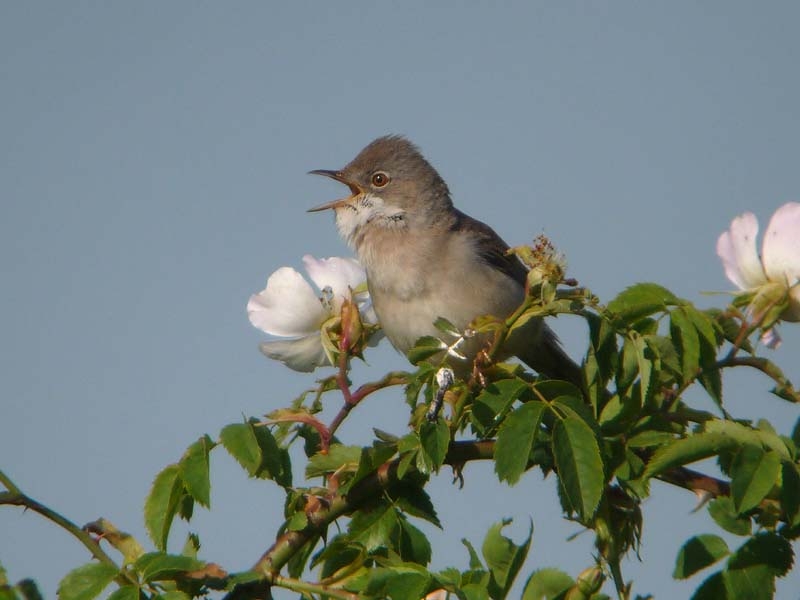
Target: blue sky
153 174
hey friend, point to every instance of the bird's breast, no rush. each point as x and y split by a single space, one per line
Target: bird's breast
415 279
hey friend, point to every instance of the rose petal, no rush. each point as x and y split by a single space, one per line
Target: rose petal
781 252
287 307
304 354
737 249
340 274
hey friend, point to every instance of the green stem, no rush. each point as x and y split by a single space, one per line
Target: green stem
297 585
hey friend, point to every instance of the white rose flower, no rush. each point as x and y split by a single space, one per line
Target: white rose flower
289 308
776 271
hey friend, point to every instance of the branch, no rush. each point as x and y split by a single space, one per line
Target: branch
784 388
15 497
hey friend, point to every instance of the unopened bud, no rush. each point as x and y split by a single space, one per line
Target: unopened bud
352 328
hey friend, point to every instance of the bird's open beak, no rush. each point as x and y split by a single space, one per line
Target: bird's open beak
338 176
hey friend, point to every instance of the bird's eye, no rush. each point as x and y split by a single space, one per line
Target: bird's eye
380 179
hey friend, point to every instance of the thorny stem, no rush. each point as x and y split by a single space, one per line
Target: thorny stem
372 486
15 497
324 591
351 399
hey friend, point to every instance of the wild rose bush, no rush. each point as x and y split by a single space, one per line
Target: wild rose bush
348 529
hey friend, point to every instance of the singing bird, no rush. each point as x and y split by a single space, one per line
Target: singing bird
426 259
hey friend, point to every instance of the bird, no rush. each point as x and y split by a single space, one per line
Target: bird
425 259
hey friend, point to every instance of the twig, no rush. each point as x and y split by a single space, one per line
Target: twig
15 497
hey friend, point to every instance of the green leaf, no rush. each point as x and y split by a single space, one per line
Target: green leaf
415 501
256 450
127 592
162 504
628 365
698 553
722 511
158 566
547 584
435 439
194 470
753 583
424 348
447 327
494 402
644 366
754 474
748 436
641 300
515 441
713 588
173 595
474 559
579 466
603 349
275 462
688 450
413 545
405 581
86 582
790 492
504 558
685 337
240 441
766 548
338 456
373 527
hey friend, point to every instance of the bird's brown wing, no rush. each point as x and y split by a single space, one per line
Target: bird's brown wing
491 247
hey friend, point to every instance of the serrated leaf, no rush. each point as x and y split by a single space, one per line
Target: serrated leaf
504 558
194 470
713 588
415 501
628 365
766 548
474 559
240 441
373 527
688 450
173 595
753 583
644 366
641 300
515 441
338 457
275 462
722 511
162 504
424 348
685 337
435 439
579 465
790 492
447 327
158 566
603 349
547 584
400 582
87 581
754 474
747 436
494 402
128 592
413 546
697 553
